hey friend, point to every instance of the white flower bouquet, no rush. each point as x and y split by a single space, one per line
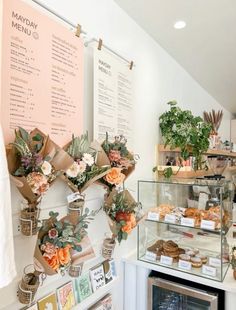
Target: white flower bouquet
90 163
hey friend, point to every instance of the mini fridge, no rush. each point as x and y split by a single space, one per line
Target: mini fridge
170 293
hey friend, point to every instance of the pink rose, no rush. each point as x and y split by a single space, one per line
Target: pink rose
53 233
114 155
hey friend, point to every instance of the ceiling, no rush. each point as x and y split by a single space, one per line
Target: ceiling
206 48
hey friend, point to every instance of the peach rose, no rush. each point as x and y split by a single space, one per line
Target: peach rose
52 261
38 182
64 255
130 223
115 177
127 228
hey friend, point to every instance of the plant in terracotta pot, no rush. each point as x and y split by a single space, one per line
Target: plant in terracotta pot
181 129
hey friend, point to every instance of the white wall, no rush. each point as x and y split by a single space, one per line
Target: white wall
157 79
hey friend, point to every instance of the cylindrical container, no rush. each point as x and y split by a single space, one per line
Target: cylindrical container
108 247
75 270
29 220
28 286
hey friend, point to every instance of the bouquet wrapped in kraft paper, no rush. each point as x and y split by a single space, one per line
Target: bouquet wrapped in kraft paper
123 213
90 163
34 162
122 162
61 241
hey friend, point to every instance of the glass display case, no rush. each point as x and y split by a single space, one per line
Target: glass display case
186 225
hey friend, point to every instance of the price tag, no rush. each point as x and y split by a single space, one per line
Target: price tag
74 196
170 218
166 260
208 225
153 216
186 221
151 256
215 262
210 271
183 264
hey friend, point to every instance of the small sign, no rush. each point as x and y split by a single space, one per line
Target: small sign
215 262
208 270
208 225
203 198
153 216
170 218
166 260
183 264
74 196
151 256
186 221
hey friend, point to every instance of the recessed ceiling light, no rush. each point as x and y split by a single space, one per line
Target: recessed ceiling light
180 24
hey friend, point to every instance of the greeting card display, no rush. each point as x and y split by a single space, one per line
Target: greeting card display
104 304
48 303
97 277
109 270
65 296
83 287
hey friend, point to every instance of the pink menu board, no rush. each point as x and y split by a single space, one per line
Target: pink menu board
42 74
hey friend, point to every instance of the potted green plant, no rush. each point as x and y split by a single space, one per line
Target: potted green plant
181 129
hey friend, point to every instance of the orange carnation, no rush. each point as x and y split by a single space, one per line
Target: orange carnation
115 177
52 261
64 255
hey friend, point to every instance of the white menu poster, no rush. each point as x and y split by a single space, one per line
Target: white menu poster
42 74
113 97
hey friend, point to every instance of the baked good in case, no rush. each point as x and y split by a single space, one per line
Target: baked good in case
184 257
202 257
196 262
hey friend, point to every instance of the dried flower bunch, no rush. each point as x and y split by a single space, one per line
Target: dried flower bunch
214 118
121 160
85 170
32 163
58 238
123 213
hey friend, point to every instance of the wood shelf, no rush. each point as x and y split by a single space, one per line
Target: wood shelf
162 148
193 174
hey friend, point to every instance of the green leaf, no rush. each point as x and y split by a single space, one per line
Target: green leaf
37 137
124 235
24 134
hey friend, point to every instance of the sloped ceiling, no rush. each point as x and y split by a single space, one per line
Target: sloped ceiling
206 47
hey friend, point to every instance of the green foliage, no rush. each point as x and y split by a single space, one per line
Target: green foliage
179 128
68 233
79 146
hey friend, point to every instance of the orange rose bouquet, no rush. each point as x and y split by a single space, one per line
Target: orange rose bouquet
123 213
121 160
58 240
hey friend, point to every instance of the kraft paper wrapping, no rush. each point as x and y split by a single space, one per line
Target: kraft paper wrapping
109 201
87 252
60 161
101 161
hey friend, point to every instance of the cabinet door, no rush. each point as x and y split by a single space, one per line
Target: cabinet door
166 295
